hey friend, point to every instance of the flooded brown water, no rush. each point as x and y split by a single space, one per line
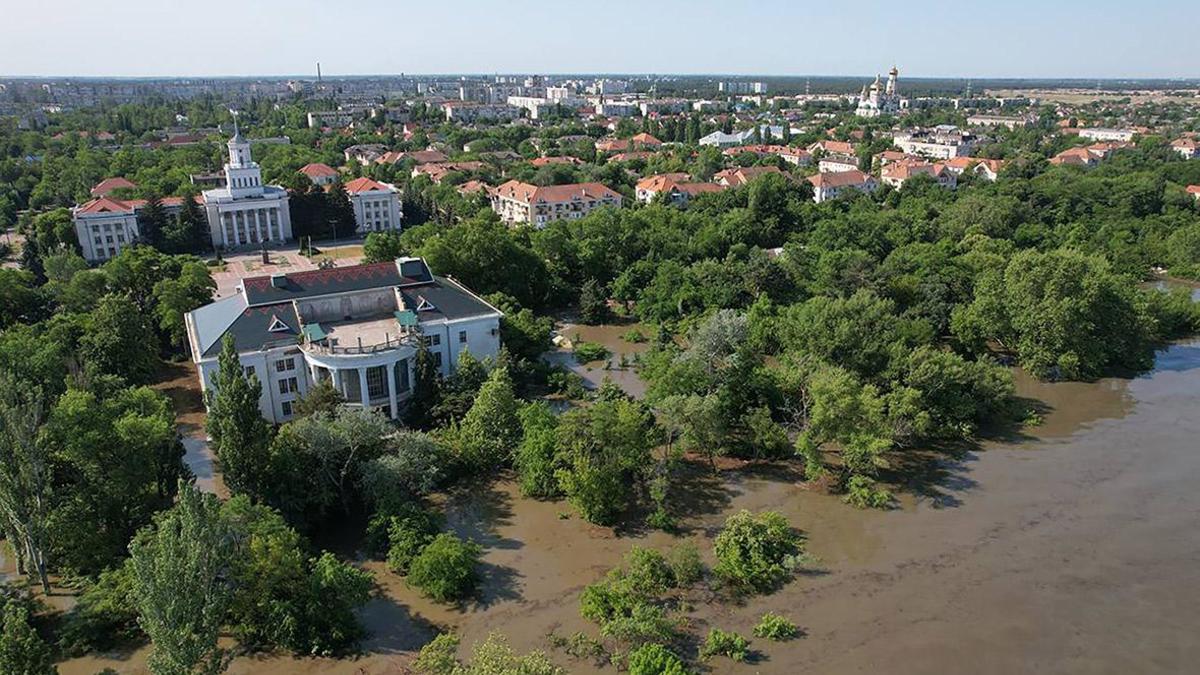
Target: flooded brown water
1070 549
608 335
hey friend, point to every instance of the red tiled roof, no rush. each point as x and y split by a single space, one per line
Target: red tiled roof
107 185
318 170
839 179
365 184
661 181
1194 190
529 194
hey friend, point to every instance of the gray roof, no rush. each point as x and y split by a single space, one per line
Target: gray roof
248 316
296 285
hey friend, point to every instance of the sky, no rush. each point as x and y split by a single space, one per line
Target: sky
925 38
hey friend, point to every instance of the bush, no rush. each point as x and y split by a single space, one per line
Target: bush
654 659
862 492
445 570
647 571
775 627
104 617
415 466
756 551
635 336
439 656
686 567
586 352
408 534
722 643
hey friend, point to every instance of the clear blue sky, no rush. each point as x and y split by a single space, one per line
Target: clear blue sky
926 38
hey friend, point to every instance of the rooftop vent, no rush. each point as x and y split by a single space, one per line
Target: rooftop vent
279 280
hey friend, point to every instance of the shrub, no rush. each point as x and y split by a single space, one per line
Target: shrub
438 657
723 643
647 571
104 617
21 649
756 551
686 567
445 570
408 533
775 627
586 352
535 460
654 659
635 336
415 466
862 492
623 613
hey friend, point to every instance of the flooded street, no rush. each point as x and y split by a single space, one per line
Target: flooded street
619 366
1070 549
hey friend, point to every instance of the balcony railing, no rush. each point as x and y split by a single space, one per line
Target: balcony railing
322 346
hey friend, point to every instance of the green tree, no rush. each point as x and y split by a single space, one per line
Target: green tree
240 436
181 584
536 458
593 302
25 480
655 659
22 651
382 247
174 298
605 451
427 391
491 429
756 551
152 222
119 342
445 569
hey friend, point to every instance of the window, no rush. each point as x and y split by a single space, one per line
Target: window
284 365
432 340
462 337
437 358
401 369
249 371
351 390
286 407
287 386
377 382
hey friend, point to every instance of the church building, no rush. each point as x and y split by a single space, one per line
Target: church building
246 213
880 99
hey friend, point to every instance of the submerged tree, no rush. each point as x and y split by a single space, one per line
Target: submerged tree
236 426
24 477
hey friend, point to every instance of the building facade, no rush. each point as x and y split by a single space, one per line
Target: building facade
106 225
516 202
376 205
245 212
356 327
829 185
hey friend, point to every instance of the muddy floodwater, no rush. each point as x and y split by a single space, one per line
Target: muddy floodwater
1072 547
618 367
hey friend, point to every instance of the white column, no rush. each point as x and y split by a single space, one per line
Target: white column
237 236
391 384
260 221
362 386
336 374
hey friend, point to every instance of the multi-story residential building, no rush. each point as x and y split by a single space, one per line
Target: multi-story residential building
742 87
1194 191
106 225
1104 134
1188 148
246 212
461 111
320 174
987 169
836 163
1087 156
829 185
830 147
945 141
333 119
365 153
678 186
899 173
357 327
1009 121
741 175
518 202
376 205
